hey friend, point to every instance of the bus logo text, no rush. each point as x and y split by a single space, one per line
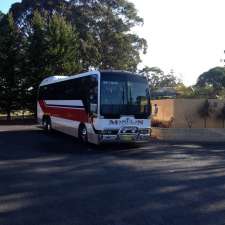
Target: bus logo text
125 122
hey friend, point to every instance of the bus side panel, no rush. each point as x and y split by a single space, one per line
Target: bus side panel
65 112
92 136
40 113
67 104
63 117
66 126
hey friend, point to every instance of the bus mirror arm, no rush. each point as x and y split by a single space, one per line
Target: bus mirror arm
93 109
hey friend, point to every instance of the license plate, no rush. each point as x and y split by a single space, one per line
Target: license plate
126 137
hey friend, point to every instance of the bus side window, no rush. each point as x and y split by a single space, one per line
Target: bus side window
40 93
60 91
89 87
77 89
93 90
43 93
69 90
93 94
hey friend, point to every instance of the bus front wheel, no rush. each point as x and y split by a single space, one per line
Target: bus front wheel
47 124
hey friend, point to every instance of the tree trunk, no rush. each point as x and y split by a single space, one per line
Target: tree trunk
204 123
35 111
8 115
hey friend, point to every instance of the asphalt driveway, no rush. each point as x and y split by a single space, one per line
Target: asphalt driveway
54 180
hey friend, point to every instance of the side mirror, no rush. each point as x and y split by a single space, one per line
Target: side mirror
93 108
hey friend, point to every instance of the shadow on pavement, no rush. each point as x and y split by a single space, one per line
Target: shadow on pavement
54 180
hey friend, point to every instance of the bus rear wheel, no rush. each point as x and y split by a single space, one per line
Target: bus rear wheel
47 124
83 134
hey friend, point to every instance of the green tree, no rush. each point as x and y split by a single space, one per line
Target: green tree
36 51
204 111
104 28
23 11
170 80
222 115
184 91
206 91
1 15
154 76
64 37
214 78
52 49
62 46
158 79
110 23
11 55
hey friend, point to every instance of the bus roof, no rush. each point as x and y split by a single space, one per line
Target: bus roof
118 72
55 79
52 79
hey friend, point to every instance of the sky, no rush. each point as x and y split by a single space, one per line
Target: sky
186 36
5 5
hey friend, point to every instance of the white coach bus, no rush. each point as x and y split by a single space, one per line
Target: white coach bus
97 106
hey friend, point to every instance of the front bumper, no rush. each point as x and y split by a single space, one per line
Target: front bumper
122 138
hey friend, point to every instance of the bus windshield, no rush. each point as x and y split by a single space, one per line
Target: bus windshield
124 94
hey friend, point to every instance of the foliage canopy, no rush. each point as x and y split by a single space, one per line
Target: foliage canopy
39 38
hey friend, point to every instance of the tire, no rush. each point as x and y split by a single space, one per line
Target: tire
47 124
83 134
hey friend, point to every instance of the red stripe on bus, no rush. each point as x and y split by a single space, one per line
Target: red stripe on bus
65 113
